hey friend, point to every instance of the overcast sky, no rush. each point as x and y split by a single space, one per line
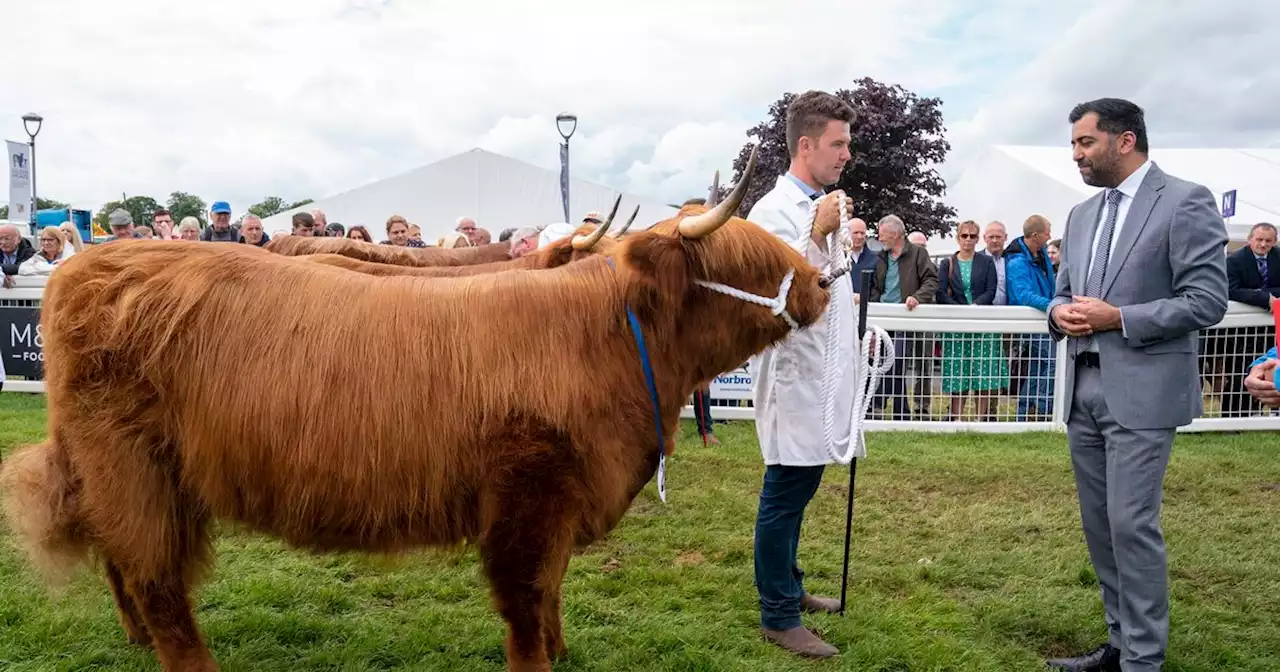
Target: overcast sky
241 99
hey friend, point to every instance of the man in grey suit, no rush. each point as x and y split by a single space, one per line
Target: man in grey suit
1143 269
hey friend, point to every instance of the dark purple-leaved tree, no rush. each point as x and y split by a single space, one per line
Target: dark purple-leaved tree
897 138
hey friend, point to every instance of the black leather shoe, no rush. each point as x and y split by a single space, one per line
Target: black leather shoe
1105 658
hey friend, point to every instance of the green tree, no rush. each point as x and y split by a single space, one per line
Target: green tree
897 139
273 205
181 204
140 207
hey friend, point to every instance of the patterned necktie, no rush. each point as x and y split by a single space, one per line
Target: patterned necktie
1262 271
1093 285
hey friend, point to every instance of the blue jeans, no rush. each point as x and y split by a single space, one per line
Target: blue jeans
1037 389
786 493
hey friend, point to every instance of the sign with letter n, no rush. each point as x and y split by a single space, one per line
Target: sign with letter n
1229 203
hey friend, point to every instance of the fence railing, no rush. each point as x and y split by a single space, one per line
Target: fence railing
996 369
958 368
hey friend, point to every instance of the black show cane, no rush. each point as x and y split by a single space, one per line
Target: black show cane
868 277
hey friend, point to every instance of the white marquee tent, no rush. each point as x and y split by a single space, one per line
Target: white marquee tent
497 191
1008 183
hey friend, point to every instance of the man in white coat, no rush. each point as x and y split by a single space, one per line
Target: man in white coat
788 378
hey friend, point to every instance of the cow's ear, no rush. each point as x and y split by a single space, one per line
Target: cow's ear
662 266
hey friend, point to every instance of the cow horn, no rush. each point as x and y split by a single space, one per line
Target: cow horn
698 226
714 196
619 232
582 243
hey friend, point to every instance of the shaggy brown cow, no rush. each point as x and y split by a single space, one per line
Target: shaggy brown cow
583 243
390 254
525 460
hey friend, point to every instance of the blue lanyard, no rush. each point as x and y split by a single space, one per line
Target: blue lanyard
653 396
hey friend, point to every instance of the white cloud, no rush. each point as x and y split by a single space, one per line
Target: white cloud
685 160
1204 74
303 98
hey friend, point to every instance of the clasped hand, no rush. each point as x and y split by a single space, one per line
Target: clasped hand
1261 383
828 217
1085 315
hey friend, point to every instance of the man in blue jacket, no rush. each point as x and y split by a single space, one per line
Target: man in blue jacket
1029 281
1264 379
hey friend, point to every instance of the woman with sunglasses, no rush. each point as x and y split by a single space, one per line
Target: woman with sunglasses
971 362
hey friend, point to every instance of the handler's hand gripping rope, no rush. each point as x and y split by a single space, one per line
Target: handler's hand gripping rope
869 374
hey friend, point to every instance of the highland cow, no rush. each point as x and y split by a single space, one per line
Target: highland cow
389 254
587 240
525 457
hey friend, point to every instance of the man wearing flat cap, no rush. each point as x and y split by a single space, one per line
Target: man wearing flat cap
121 223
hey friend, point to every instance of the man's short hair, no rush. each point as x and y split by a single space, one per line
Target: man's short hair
694 201
161 212
809 114
1035 224
1262 225
1115 116
303 219
891 223
505 235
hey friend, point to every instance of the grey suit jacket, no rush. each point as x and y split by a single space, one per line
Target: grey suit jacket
1168 277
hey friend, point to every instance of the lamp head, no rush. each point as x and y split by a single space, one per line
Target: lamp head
32 118
566 118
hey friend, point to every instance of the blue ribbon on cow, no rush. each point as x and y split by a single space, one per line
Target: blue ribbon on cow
653 395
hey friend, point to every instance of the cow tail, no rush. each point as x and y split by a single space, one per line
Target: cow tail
41 495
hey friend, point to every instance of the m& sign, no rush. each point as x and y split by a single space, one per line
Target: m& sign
1229 203
22 345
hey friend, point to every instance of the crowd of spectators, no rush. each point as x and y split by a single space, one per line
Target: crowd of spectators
987 269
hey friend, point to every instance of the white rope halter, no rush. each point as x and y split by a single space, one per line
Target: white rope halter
777 304
881 361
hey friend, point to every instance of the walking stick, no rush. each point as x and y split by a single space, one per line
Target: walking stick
868 277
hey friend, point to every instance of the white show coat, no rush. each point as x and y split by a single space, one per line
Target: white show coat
787 378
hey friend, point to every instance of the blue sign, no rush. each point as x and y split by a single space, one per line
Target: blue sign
79 218
1229 203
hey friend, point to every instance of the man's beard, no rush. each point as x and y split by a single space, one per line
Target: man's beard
1103 174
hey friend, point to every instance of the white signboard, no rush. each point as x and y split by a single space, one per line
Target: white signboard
19 159
735 384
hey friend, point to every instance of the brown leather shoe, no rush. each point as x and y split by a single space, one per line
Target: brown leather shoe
813 604
799 640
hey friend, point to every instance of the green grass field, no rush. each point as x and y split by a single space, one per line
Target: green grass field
967 555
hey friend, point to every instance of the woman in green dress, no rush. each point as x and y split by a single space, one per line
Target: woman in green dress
971 362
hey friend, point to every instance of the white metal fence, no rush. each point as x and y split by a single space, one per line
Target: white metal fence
996 369
958 368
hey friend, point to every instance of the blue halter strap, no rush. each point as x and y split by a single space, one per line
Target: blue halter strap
653 396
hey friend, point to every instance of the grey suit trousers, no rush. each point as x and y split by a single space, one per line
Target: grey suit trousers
1120 484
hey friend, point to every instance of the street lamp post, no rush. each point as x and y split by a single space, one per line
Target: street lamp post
562 119
27 120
